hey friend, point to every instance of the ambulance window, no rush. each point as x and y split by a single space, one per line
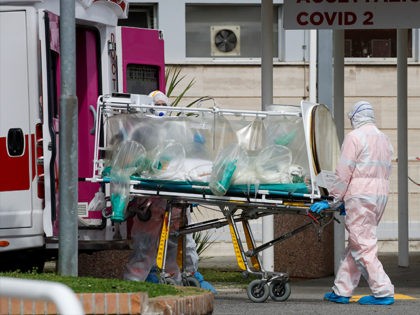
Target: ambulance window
15 142
141 79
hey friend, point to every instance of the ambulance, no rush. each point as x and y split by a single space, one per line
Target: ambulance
109 59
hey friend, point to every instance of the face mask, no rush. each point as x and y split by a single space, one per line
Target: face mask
158 112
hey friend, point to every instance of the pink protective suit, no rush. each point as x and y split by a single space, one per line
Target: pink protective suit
363 184
145 236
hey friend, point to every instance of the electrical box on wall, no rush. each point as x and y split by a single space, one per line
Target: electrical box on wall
225 40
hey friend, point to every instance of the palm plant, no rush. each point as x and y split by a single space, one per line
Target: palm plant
173 78
203 241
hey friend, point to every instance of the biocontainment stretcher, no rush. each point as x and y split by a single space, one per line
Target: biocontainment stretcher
246 164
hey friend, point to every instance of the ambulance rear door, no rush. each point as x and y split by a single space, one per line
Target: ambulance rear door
20 209
141 63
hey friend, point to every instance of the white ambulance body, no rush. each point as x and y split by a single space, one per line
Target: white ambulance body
109 59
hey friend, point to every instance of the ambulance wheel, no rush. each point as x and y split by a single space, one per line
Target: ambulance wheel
258 291
191 282
279 291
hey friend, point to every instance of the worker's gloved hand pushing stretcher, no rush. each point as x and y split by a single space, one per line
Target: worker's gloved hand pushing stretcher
320 206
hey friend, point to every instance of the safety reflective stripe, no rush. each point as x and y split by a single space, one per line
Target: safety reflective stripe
236 248
164 235
248 238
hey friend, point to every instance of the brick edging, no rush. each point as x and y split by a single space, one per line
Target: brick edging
116 303
187 305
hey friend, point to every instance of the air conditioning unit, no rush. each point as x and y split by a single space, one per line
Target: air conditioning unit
225 40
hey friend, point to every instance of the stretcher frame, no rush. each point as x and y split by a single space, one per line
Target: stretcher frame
236 208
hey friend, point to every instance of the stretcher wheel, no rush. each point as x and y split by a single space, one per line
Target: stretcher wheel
141 208
279 291
144 214
191 282
258 291
170 281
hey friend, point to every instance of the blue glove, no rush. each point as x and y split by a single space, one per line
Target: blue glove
342 209
319 206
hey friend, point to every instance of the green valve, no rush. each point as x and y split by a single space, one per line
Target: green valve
118 207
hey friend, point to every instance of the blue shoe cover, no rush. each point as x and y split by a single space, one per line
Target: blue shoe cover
207 286
371 300
198 276
332 297
152 277
204 284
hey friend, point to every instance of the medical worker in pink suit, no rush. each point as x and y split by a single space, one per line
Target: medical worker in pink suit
145 233
362 183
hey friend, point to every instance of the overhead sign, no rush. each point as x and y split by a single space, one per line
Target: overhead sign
351 14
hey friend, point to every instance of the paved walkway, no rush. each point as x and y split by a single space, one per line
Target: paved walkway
405 279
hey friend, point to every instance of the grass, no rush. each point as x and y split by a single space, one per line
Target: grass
101 285
218 277
221 277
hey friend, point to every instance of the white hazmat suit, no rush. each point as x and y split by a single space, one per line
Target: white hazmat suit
363 184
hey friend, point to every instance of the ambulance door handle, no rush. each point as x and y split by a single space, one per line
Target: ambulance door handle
15 142
93 111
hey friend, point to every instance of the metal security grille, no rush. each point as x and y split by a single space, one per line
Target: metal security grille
142 79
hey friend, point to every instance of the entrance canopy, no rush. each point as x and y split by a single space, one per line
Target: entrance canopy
341 15
316 14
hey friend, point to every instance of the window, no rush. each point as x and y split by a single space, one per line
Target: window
227 31
373 43
139 16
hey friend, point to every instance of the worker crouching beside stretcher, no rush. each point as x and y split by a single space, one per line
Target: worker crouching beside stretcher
146 232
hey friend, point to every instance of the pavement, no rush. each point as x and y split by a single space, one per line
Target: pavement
406 280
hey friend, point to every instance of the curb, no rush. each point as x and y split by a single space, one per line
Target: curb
193 304
116 303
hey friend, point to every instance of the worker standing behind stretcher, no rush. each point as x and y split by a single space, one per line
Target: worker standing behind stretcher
145 234
362 182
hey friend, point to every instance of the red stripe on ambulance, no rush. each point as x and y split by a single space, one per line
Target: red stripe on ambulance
14 170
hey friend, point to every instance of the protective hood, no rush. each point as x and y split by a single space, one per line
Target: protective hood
362 113
159 98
